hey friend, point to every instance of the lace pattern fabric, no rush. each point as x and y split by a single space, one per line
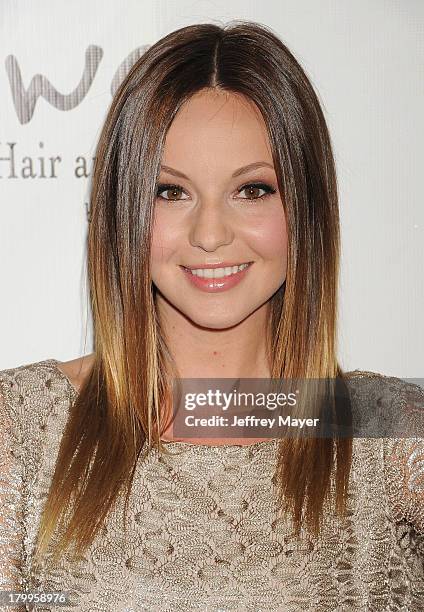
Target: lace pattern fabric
204 530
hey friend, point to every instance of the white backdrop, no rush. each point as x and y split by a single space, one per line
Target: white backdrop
365 59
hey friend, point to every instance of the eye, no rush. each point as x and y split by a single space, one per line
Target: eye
174 189
252 187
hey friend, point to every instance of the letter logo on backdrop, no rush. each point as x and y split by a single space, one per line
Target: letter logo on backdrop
25 100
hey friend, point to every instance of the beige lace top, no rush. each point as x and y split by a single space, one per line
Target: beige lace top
205 534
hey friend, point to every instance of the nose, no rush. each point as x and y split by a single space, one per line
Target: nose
210 227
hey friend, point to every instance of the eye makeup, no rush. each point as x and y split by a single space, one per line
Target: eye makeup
268 189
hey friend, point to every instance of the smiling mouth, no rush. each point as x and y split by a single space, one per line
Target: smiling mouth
217 272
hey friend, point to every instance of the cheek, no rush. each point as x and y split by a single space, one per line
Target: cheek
269 237
163 242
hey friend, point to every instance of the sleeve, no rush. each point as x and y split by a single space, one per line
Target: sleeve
404 460
11 507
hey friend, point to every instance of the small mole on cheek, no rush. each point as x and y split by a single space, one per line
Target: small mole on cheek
215 352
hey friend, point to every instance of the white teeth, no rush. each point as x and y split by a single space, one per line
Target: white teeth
218 272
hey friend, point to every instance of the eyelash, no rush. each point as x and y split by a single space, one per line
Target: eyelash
267 188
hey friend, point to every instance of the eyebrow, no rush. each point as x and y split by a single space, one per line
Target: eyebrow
238 172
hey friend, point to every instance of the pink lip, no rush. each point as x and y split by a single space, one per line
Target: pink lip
215 285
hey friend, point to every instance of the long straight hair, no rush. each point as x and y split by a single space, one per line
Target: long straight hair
119 410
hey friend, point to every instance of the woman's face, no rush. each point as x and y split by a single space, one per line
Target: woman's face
217 213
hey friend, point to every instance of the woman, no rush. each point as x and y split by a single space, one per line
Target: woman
214 156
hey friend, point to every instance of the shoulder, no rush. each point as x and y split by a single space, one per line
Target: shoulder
396 404
386 389
29 379
44 376
77 369
392 409
32 393
358 379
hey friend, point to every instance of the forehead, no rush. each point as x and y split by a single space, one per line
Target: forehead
217 123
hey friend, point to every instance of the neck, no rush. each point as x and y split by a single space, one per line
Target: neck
235 352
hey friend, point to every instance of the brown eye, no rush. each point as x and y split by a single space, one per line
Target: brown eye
172 192
252 190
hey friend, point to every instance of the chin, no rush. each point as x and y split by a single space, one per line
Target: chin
217 322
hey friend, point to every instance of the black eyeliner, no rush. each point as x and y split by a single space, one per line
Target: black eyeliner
270 190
